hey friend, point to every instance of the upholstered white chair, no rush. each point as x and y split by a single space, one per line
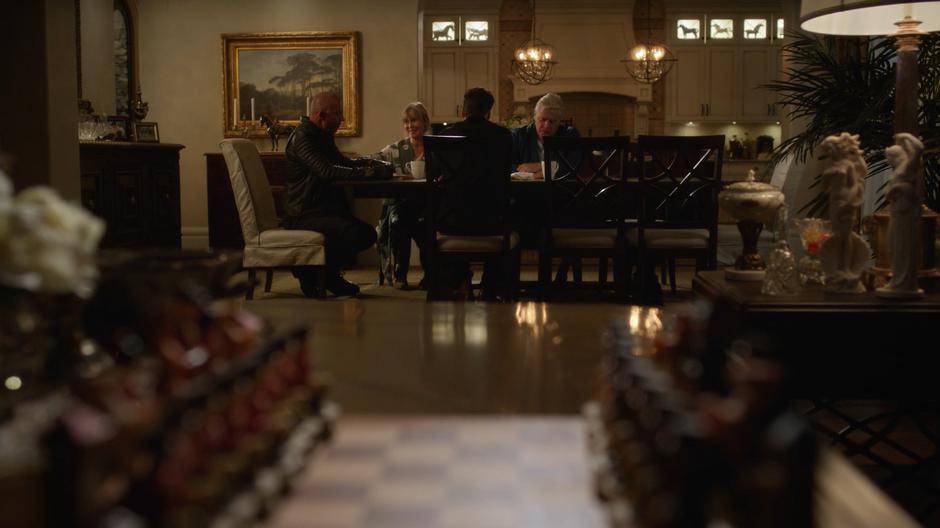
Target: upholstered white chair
267 246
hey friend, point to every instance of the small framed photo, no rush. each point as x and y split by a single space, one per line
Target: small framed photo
146 132
119 122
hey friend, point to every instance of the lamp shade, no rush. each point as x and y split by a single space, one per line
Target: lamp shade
866 17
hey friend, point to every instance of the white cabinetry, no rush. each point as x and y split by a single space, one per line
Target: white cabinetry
723 62
449 72
456 59
759 66
702 86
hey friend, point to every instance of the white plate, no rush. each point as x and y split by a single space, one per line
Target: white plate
523 176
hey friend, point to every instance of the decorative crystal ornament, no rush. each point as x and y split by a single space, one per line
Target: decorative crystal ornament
813 232
782 276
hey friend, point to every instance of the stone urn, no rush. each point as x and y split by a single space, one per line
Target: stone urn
752 204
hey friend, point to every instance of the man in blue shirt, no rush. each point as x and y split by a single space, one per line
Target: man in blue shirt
527 151
527 156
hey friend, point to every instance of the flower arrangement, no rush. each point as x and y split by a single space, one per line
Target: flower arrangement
47 245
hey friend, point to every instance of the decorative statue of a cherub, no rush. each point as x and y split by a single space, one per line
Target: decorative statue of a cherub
905 195
844 254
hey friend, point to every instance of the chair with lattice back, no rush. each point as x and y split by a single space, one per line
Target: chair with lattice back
467 212
587 205
680 178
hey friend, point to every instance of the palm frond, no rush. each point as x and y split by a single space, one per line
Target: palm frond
839 84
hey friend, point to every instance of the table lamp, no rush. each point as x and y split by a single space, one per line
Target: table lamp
906 22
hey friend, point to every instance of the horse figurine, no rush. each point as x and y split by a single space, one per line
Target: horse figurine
687 30
275 129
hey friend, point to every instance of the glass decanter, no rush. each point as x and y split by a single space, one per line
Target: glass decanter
781 277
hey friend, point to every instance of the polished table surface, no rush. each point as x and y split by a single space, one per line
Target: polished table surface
388 356
856 345
399 187
408 373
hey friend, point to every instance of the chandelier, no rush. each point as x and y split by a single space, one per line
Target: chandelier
534 61
648 62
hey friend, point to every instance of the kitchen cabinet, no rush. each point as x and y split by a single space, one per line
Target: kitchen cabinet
759 66
724 59
702 85
449 72
460 52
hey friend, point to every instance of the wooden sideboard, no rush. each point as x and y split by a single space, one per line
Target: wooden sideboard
135 189
224 228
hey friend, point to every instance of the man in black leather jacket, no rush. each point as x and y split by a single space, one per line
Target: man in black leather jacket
312 201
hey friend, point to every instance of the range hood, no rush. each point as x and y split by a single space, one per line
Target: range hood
591 38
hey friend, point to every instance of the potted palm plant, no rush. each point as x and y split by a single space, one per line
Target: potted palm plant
846 84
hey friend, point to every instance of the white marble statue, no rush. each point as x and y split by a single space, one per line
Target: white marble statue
845 254
905 195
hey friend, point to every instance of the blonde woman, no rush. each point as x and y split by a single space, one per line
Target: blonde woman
401 219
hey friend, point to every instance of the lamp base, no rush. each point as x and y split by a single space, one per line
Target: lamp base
744 275
888 293
928 276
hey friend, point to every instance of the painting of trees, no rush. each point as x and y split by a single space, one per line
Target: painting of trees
281 80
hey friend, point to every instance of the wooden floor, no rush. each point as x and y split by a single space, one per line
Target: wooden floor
387 355
390 353
285 286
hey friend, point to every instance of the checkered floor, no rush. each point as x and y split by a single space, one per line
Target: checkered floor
446 472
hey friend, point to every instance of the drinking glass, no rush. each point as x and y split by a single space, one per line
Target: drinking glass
813 232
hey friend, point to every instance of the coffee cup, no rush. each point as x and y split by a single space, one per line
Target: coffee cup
554 169
416 168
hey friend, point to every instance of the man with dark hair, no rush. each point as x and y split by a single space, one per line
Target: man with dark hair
477 104
312 201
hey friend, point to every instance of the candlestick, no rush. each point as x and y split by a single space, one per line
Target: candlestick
308 106
252 108
235 112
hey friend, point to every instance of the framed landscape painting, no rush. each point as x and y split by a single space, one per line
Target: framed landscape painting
275 75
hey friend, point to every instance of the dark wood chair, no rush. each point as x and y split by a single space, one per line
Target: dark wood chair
587 206
680 178
468 211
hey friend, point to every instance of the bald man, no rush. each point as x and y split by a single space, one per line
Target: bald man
313 201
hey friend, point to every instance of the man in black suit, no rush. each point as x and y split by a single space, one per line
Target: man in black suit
468 205
477 104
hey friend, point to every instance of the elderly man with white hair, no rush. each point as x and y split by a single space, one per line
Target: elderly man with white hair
527 156
527 150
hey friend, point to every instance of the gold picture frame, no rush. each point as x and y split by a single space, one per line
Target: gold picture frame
274 74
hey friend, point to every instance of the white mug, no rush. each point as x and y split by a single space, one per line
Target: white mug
416 168
554 169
